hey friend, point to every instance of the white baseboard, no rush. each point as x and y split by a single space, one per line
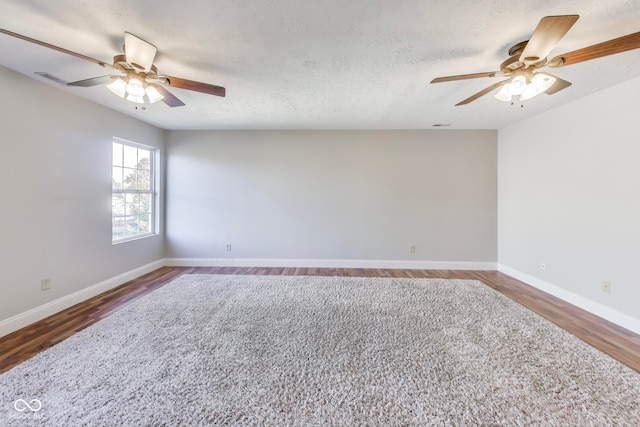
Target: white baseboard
329 263
600 310
21 320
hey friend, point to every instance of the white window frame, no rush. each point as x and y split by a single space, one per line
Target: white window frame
153 161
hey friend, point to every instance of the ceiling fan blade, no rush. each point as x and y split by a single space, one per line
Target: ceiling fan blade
139 53
483 92
59 49
557 86
464 77
611 47
169 98
546 36
94 81
196 86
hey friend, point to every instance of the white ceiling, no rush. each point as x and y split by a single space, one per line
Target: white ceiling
324 64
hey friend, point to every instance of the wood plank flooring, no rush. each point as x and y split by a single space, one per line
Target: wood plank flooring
618 342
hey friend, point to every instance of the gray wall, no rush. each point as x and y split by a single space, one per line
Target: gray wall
565 182
569 195
359 195
55 184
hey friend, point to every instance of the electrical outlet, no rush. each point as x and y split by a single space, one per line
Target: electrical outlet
606 286
543 266
228 246
412 249
45 284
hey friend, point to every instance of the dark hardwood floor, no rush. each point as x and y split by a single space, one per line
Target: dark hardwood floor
618 342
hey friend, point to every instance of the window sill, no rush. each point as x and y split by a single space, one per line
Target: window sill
132 238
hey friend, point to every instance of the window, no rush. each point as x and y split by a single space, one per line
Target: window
133 191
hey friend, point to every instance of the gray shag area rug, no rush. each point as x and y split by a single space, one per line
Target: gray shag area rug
299 351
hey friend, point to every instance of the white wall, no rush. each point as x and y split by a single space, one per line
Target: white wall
569 195
341 195
55 183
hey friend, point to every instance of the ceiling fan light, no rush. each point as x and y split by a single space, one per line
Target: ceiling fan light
135 87
503 94
153 94
136 99
118 86
518 85
539 84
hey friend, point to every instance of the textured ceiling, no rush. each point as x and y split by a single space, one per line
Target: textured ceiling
327 64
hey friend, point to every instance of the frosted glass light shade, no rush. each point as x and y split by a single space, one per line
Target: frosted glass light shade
134 90
136 99
539 84
518 85
118 86
135 87
153 94
503 94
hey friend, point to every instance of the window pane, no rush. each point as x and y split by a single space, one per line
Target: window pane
117 205
131 226
130 209
144 157
144 206
130 156
117 154
116 178
144 181
118 231
130 179
144 224
117 228
132 204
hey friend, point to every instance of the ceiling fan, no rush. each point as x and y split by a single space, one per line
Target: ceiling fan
135 76
528 57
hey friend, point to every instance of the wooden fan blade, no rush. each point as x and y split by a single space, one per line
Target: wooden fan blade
196 86
557 86
95 81
483 92
169 98
546 36
464 77
59 49
139 53
611 47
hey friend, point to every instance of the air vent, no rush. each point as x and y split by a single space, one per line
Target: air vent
51 77
440 125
